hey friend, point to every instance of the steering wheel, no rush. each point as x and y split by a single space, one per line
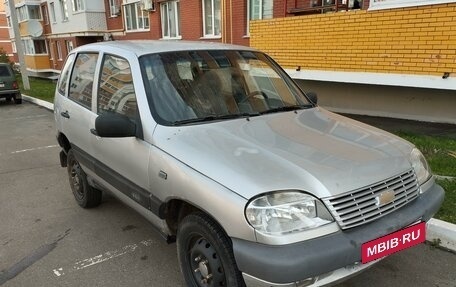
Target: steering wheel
253 94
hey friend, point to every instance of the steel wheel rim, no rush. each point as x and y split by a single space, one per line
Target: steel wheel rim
205 264
76 180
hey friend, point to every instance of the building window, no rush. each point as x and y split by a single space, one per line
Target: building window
22 13
64 10
257 10
170 19
69 46
45 14
13 46
211 18
35 47
114 8
34 12
53 19
8 21
78 5
51 50
59 50
135 18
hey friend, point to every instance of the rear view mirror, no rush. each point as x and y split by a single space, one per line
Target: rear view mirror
113 125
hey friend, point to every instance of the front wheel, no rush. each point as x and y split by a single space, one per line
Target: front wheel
205 253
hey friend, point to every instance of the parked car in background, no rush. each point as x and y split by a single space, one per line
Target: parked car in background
9 89
222 152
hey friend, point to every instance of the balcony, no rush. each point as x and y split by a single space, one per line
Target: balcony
38 63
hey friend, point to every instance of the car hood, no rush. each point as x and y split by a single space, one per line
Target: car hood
310 150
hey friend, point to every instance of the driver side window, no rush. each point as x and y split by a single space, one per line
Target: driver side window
116 93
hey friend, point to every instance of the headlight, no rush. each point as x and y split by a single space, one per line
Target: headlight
420 166
286 212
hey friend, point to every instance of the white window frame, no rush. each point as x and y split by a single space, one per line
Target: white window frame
39 12
22 13
113 6
391 4
144 15
64 10
261 15
59 50
53 16
165 7
29 47
78 5
13 47
213 18
69 45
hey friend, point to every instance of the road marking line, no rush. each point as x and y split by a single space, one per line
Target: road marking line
81 264
24 118
32 149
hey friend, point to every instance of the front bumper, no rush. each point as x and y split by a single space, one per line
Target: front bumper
292 263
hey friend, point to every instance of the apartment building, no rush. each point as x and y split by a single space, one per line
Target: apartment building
392 58
5 41
50 29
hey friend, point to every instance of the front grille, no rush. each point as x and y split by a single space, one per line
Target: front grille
360 206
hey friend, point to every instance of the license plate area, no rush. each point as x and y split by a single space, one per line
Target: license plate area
393 242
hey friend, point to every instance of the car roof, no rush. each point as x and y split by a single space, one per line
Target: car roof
143 47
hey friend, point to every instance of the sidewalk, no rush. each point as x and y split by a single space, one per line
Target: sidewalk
438 231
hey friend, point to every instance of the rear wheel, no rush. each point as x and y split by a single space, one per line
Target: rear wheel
18 100
85 195
205 253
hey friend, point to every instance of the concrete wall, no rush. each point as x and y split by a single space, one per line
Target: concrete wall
430 105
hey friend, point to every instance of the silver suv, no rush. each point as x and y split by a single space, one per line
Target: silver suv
222 152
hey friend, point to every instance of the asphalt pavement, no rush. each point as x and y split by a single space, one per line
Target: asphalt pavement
46 239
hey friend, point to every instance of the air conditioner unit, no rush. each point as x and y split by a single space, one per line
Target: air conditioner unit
147 5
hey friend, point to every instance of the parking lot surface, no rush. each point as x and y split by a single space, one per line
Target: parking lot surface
46 239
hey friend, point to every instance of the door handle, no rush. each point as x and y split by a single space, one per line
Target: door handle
65 114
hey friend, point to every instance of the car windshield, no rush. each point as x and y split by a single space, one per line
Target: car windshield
199 86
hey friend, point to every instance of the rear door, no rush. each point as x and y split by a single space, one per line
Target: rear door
76 111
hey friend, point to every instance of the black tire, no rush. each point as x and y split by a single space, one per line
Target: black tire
86 196
205 253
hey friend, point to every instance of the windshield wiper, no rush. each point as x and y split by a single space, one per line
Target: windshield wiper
286 109
214 118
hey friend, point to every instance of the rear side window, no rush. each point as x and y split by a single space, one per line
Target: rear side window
5 71
63 80
116 92
81 82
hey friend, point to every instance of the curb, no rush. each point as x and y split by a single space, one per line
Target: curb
437 230
442 233
38 102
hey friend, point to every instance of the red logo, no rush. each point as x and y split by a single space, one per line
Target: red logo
394 242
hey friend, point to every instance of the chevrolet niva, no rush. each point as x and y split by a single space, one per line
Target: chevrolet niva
223 153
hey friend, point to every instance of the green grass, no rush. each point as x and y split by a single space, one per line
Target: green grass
440 152
39 88
448 210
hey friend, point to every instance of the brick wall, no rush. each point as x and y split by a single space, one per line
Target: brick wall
416 40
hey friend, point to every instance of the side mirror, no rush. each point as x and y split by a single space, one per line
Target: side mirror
112 125
312 96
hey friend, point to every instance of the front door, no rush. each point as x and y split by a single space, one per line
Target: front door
122 163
